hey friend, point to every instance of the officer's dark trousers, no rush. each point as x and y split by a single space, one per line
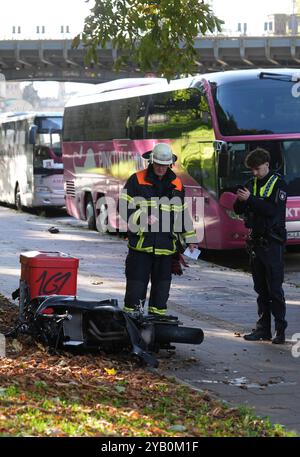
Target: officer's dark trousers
267 272
140 268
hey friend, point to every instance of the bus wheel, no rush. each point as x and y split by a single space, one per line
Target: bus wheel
102 219
90 213
18 203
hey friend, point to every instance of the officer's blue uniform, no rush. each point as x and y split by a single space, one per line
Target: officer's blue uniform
264 214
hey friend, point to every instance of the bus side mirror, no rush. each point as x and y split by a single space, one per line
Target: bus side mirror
223 164
223 158
227 200
32 134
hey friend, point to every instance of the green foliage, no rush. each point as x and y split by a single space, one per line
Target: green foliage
154 35
158 408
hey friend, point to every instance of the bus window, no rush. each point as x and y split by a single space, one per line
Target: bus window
73 127
118 117
56 143
49 133
50 139
209 176
40 154
253 107
49 123
20 133
10 133
173 114
96 121
136 122
292 166
238 173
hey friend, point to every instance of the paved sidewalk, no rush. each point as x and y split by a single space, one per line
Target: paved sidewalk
219 300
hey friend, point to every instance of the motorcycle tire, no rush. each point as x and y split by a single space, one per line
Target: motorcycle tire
174 334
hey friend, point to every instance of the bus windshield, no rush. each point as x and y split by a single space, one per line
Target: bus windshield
256 107
49 133
285 159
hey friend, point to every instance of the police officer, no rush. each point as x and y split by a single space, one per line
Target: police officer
152 203
262 202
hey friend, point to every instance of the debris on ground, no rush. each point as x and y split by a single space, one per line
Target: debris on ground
53 230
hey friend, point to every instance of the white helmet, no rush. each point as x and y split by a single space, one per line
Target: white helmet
162 154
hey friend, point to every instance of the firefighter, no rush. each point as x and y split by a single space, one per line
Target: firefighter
152 204
263 202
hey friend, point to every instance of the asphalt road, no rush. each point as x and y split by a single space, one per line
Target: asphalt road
218 299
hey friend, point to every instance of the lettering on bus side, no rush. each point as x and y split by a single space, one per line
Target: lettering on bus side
105 158
292 213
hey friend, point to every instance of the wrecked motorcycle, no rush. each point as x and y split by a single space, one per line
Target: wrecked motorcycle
50 312
64 322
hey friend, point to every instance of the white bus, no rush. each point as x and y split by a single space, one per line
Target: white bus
31 168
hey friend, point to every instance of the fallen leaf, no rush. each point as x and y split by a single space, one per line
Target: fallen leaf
216 412
17 345
110 371
133 415
41 347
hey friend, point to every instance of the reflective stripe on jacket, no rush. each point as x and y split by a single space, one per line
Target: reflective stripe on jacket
266 190
143 195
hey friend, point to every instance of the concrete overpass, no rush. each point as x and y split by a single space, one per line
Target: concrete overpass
56 60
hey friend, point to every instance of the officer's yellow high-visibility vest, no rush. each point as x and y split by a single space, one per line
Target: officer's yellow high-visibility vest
267 189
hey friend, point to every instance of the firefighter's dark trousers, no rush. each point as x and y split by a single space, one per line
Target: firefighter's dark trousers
142 267
267 272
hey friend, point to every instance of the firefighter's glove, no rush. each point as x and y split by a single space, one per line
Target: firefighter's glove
177 262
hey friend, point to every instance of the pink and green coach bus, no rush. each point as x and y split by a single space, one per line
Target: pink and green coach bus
211 121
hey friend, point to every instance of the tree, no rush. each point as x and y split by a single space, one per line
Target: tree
157 36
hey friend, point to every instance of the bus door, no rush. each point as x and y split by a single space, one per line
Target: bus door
198 159
48 170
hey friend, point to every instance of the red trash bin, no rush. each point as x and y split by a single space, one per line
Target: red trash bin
49 273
